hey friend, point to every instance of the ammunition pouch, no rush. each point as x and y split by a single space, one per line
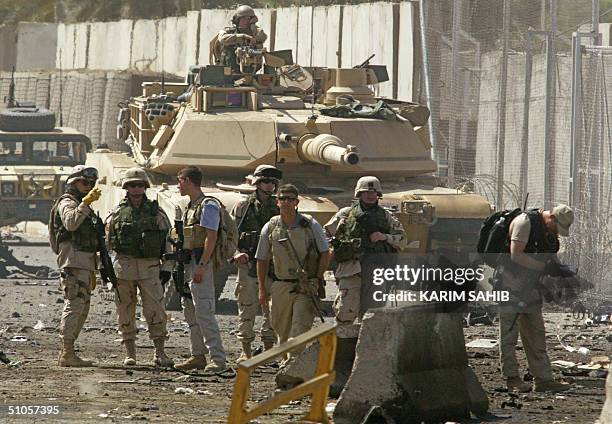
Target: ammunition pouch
346 250
194 237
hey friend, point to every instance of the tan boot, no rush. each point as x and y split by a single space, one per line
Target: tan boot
130 358
515 384
197 362
246 352
552 386
159 357
68 358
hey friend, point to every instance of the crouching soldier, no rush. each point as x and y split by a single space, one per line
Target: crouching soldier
137 231
251 215
72 236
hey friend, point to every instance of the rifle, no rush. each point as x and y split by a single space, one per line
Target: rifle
10 99
366 62
302 277
107 272
180 255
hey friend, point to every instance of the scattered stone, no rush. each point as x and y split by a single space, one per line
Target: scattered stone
59 300
184 390
15 315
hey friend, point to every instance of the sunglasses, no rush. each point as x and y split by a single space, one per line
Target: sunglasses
89 183
287 198
268 180
136 185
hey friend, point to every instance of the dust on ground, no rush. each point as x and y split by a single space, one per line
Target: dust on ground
109 392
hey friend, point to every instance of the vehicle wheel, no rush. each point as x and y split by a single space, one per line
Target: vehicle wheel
220 278
27 119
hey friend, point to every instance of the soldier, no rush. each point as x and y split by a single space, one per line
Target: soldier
251 215
137 232
201 218
534 244
299 251
73 237
244 32
360 230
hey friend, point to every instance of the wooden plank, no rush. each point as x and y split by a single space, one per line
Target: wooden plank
287 346
241 387
292 394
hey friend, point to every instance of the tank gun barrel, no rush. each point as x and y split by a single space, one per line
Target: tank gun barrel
327 149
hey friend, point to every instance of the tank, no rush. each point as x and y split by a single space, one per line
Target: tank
311 123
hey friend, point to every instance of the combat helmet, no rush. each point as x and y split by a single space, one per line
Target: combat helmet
135 174
368 183
244 11
266 171
82 172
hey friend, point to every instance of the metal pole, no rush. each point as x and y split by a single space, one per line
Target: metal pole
426 76
547 118
524 177
501 120
595 21
573 177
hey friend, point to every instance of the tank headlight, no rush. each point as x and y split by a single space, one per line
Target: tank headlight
8 189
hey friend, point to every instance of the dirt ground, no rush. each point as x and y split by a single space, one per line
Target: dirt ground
109 392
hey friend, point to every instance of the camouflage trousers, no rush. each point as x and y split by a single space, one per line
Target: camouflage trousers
530 326
348 300
77 285
247 297
152 295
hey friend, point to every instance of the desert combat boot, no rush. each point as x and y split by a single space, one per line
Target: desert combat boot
246 352
130 358
195 362
159 357
68 358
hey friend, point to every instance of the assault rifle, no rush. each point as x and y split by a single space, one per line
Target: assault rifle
107 272
303 280
180 255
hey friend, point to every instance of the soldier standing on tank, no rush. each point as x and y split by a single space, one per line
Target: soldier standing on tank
137 231
251 215
201 224
243 32
297 246
72 235
358 231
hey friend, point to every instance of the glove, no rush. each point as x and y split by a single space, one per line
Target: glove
92 196
244 38
164 277
553 268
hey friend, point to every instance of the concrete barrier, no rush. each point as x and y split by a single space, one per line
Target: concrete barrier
211 21
192 40
326 36
145 50
405 53
109 45
173 45
287 29
28 46
369 28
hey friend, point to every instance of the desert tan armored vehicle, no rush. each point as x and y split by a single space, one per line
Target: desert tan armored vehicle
323 142
35 160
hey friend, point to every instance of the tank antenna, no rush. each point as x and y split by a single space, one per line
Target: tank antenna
61 115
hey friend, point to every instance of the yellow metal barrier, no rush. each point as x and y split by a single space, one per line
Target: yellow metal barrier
318 386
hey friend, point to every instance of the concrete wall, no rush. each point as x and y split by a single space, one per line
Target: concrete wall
319 36
28 46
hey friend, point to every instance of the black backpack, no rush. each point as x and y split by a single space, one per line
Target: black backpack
494 235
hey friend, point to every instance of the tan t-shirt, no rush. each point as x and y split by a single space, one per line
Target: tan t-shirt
520 227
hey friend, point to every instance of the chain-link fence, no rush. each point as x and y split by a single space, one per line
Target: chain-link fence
500 78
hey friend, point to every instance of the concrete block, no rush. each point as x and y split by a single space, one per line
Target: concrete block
368 28
109 45
173 46
418 362
325 37
304 45
36 46
192 41
81 46
287 20
211 22
405 72
8 53
606 413
145 46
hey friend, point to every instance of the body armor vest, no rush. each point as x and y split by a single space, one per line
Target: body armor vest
85 238
360 223
257 214
286 265
540 240
136 231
